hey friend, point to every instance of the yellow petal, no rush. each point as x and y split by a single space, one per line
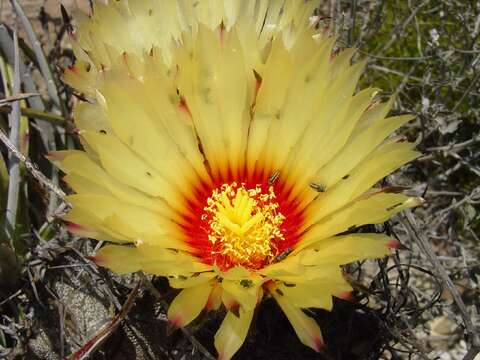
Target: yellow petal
182 282
229 301
357 149
232 333
235 273
78 164
215 300
288 267
79 78
345 249
305 327
316 293
90 232
159 89
130 221
291 270
91 117
57 157
188 304
81 184
199 83
373 209
167 262
124 165
338 123
147 136
308 86
269 101
100 230
82 231
335 119
383 161
121 259
233 107
244 292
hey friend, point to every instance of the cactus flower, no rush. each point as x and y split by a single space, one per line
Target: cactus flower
227 148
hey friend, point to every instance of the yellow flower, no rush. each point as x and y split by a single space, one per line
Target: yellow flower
226 149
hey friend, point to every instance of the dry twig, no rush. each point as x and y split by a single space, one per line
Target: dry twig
472 332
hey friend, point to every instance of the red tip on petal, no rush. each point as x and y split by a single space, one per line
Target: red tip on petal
75 227
176 321
97 259
210 304
395 244
72 68
347 295
232 306
319 344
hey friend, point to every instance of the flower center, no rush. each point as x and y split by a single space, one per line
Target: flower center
243 225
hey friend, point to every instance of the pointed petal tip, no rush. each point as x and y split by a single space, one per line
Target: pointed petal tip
212 304
416 201
176 322
54 156
72 68
98 260
346 295
394 244
72 226
319 345
78 229
232 305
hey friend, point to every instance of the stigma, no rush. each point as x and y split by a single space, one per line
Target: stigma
243 225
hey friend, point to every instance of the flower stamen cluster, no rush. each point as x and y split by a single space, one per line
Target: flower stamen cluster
244 224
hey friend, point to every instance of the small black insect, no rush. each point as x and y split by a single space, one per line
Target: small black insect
283 255
274 177
246 283
318 187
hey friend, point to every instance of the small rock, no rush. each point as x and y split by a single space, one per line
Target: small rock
442 326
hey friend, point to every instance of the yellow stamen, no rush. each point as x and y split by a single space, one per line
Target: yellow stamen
242 223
